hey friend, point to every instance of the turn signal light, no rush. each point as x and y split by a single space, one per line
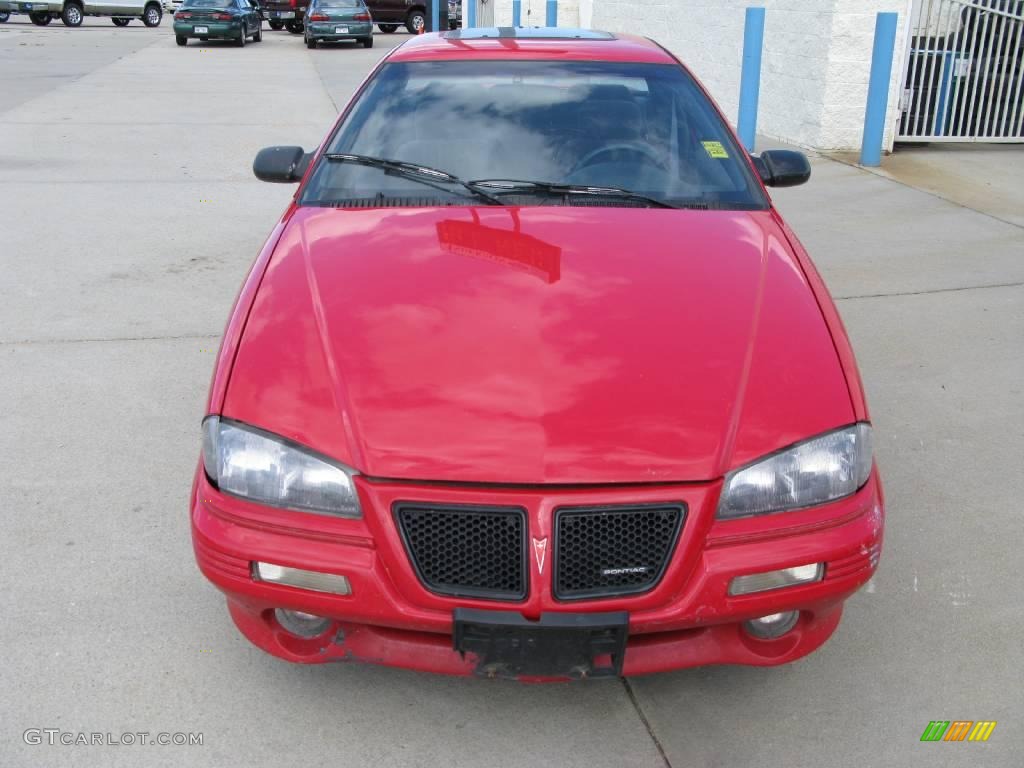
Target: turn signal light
319 17
362 17
296 577
183 15
222 16
786 577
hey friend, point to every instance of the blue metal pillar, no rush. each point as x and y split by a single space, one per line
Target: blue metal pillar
878 89
470 14
552 19
435 15
750 76
517 13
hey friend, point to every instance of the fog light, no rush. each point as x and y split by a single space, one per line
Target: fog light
787 577
772 626
302 624
296 577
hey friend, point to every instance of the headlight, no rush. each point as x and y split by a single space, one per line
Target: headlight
824 468
255 465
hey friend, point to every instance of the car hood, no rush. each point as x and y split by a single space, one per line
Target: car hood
537 345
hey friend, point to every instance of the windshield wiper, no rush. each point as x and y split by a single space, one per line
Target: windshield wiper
423 174
520 186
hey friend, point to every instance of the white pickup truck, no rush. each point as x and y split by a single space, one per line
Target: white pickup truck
72 12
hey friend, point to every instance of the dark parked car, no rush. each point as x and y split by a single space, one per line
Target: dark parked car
332 21
218 20
286 14
390 14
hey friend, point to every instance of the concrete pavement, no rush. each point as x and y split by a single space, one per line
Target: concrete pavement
129 219
984 177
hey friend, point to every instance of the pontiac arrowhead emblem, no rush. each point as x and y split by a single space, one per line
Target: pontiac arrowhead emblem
540 550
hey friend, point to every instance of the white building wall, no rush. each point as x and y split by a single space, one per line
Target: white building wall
849 69
502 11
814 73
534 12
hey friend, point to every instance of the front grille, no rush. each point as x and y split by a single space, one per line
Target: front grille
466 551
606 551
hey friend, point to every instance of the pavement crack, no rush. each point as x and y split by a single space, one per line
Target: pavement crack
928 292
41 342
148 182
647 723
323 84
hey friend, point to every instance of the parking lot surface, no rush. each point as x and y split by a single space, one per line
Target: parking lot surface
128 219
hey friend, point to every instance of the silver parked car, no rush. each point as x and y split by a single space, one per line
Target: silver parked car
72 12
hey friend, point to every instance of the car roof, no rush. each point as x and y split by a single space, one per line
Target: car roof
531 43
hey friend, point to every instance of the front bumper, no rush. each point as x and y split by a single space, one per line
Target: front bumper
328 30
687 620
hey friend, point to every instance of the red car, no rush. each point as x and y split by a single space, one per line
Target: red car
531 380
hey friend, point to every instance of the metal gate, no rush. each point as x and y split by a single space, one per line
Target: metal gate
964 74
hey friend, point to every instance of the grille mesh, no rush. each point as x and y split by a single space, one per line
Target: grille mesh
613 551
475 552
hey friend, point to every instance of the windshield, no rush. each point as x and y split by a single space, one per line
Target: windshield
207 4
337 3
645 128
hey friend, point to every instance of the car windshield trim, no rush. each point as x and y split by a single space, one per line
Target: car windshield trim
524 186
423 174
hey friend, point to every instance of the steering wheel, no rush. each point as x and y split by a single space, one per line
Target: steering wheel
643 151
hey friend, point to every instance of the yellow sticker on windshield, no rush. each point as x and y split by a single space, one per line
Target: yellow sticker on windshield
715 150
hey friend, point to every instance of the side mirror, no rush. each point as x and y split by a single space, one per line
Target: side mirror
281 165
782 167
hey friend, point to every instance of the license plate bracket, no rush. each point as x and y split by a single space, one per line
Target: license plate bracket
201 30
574 645
341 30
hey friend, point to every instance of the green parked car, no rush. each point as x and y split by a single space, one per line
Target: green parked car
330 21
235 20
